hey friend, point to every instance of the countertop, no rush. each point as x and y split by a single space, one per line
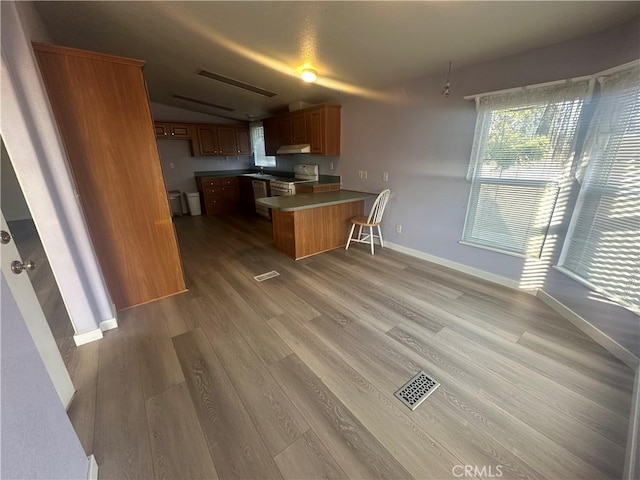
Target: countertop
268 175
303 201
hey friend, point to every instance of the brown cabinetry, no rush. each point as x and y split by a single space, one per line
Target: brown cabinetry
243 141
173 131
217 140
271 135
218 195
210 139
301 188
318 126
100 100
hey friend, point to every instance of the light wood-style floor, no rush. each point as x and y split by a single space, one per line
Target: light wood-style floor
294 377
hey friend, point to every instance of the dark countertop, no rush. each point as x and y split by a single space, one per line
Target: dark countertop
303 201
268 175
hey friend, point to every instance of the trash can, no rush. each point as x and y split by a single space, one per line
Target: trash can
176 202
193 200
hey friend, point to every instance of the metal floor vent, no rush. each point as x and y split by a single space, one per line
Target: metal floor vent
266 276
416 390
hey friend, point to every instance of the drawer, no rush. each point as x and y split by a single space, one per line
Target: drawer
219 182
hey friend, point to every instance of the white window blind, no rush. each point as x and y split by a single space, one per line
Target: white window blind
261 159
603 247
523 148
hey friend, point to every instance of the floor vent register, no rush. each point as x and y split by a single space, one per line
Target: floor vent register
416 390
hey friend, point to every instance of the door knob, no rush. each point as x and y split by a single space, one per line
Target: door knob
17 266
5 237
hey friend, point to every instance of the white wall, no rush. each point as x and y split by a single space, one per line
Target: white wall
14 207
424 142
38 440
36 153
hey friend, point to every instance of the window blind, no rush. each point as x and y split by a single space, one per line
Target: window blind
523 148
603 247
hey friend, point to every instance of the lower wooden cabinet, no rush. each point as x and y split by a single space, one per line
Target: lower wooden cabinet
219 195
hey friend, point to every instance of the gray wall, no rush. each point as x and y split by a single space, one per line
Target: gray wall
37 438
424 142
14 206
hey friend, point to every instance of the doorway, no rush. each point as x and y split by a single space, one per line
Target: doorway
25 236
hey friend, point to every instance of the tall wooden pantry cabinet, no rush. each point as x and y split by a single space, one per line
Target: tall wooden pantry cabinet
101 106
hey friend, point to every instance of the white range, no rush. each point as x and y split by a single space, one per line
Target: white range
287 186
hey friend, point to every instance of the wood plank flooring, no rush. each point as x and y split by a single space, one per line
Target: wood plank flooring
294 377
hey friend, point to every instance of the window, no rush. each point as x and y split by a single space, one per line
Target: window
603 243
523 149
259 154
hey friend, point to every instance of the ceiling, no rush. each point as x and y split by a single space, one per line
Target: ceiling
357 48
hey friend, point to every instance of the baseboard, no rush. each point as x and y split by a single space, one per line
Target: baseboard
92 471
596 335
109 324
632 455
87 337
476 272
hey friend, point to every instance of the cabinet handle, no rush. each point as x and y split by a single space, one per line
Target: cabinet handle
172 133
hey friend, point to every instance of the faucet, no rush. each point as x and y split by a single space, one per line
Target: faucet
261 170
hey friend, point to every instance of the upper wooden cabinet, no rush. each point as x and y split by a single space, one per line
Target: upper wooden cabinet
318 126
243 141
271 136
209 140
101 101
180 131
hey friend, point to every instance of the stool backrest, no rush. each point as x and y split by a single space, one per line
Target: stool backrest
375 216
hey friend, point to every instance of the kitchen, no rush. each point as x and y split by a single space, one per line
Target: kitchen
302 367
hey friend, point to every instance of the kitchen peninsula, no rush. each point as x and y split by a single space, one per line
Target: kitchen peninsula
311 223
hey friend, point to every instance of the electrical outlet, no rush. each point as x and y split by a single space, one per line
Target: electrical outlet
398 229
172 165
385 176
364 174
331 166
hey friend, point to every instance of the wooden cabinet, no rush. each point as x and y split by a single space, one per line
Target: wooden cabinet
220 140
173 131
243 141
318 126
271 135
302 188
100 100
247 200
218 195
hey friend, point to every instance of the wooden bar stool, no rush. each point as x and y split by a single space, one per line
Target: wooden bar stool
373 220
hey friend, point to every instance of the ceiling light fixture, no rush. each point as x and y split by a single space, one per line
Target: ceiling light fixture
309 75
446 91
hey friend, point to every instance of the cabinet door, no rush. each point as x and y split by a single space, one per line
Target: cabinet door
284 130
243 141
162 130
299 132
180 131
271 136
226 141
208 140
316 130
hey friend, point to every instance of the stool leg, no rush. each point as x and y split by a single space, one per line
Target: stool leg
380 237
353 226
360 234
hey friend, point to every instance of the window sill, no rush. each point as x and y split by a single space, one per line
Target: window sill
492 249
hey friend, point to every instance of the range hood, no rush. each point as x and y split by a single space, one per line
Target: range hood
302 148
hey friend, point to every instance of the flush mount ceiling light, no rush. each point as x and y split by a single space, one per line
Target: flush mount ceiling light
309 75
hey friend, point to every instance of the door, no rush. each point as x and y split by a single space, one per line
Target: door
13 268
